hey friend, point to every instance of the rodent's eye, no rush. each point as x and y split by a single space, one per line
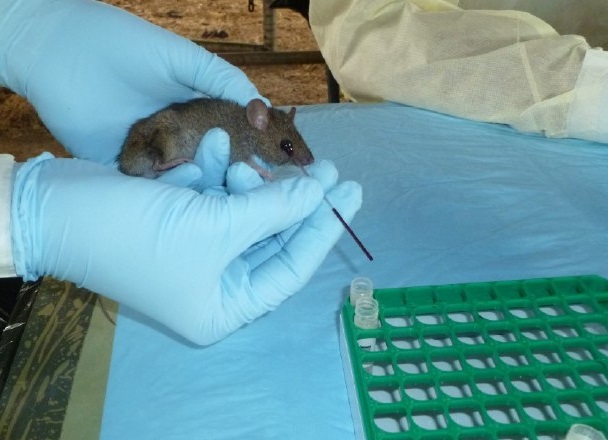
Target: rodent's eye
287 147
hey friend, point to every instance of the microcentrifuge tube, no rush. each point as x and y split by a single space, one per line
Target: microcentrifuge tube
584 432
360 286
366 317
366 313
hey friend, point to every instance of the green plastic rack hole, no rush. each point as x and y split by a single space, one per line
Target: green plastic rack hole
501 360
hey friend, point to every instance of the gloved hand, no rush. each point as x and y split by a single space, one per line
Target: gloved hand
91 70
170 252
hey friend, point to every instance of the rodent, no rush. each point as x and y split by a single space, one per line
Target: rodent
171 136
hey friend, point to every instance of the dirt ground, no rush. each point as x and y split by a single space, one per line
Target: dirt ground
23 135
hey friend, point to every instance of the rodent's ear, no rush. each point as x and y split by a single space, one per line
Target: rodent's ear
292 114
257 114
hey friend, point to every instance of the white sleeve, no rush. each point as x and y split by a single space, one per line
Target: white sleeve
7 267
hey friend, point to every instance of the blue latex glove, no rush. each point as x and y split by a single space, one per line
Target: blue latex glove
169 252
209 166
91 70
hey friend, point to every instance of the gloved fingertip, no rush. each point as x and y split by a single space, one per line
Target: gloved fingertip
241 178
350 189
325 172
213 147
304 191
184 175
213 158
347 197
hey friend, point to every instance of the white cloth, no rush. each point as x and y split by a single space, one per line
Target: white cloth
588 112
7 268
501 66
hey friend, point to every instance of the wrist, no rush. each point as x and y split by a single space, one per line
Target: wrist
22 231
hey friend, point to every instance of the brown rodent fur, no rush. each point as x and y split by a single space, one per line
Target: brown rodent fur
172 135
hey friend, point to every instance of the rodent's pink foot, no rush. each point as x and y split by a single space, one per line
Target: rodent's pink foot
164 166
263 172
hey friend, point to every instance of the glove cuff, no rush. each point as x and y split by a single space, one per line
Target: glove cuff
23 220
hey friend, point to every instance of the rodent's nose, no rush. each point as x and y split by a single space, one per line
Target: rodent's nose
307 159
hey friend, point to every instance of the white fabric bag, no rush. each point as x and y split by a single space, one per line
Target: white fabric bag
494 65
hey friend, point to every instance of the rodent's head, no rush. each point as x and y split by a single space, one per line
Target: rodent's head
277 129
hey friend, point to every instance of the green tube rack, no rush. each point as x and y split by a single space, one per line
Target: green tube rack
501 360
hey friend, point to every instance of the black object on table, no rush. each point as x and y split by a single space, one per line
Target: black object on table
16 302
